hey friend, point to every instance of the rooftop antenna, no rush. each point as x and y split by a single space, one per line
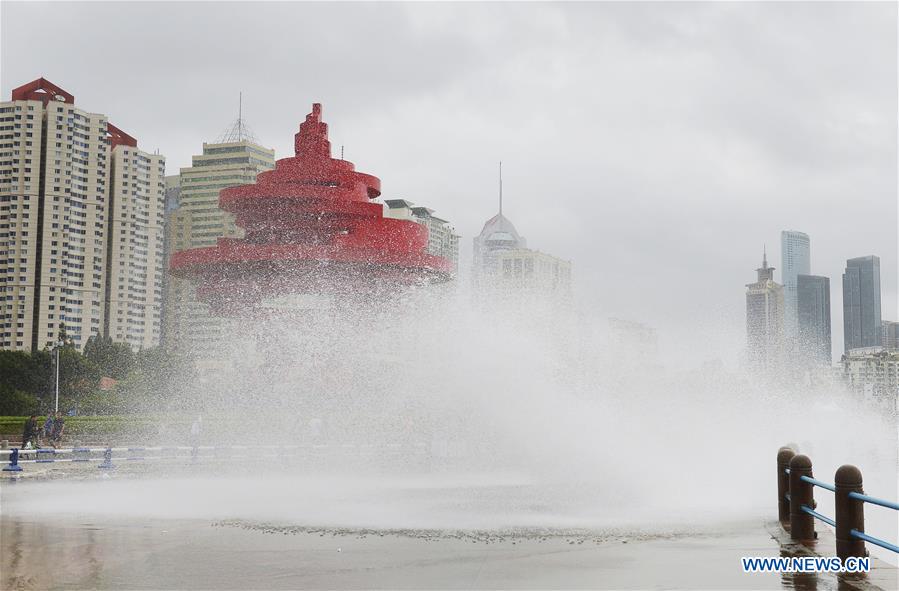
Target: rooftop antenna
341 151
238 131
764 256
500 188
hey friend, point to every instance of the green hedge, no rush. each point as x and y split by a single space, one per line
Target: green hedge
100 427
138 428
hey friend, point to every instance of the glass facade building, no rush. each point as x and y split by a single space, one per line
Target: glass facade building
813 293
862 323
795 253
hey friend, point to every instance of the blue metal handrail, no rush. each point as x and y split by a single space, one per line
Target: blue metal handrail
876 541
820 483
874 500
817 515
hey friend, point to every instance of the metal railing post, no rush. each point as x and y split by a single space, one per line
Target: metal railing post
849 512
13 462
802 525
107 460
784 455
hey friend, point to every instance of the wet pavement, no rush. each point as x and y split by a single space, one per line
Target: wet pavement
51 539
184 554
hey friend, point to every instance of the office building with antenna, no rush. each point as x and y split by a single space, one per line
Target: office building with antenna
234 158
503 263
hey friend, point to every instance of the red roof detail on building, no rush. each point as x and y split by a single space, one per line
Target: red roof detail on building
41 90
117 137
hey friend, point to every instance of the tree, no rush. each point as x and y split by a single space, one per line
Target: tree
115 360
78 375
31 373
17 403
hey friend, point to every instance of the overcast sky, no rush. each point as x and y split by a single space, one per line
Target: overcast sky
657 146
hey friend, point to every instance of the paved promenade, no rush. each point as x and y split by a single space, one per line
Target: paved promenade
161 554
50 544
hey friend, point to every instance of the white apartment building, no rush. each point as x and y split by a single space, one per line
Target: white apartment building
442 238
136 265
55 195
872 371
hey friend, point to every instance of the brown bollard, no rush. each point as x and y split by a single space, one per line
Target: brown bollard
849 512
802 525
784 455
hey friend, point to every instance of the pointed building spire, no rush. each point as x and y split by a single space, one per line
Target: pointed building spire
500 188
765 272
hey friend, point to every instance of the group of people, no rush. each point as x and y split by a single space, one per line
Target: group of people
51 431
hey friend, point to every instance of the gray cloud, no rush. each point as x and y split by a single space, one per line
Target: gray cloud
656 145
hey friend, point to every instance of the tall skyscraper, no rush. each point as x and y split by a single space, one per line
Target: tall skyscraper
862 323
235 159
764 320
795 253
73 189
813 294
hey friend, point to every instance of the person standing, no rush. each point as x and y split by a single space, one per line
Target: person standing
59 425
48 427
30 432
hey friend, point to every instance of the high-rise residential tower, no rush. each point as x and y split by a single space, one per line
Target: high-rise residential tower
172 200
764 320
813 294
134 267
235 159
862 323
68 202
795 253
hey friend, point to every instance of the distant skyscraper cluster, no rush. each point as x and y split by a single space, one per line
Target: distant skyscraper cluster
81 225
788 324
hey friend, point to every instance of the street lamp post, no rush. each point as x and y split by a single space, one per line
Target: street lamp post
58 347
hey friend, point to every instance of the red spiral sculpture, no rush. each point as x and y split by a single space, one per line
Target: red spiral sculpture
310 227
